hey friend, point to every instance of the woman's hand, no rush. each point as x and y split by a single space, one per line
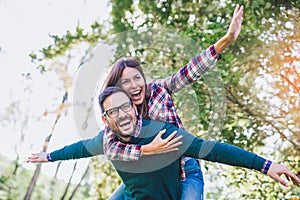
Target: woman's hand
236 23
159 145
233 30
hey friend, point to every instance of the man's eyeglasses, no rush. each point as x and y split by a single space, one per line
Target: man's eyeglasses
113 112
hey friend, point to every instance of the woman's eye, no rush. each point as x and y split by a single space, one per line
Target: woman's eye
125 82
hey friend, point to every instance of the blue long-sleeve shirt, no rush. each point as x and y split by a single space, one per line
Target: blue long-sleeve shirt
158 176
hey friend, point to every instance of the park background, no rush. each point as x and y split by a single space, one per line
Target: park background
44 45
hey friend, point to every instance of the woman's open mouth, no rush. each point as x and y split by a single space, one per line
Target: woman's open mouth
136 95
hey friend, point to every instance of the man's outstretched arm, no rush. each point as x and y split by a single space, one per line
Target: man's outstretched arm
81 149
234 156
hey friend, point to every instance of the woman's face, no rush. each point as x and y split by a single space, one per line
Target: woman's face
133 83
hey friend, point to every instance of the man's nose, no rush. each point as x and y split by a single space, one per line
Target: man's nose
122 113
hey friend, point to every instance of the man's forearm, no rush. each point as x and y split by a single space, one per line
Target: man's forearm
73 151
81 149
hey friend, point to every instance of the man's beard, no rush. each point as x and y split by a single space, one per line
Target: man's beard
117 131
124 136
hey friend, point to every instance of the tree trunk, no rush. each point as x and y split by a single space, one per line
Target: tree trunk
69 183
45 147
53 179
33 181
82 178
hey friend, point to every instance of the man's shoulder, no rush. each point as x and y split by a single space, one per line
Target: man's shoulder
152 123
153 126
99 137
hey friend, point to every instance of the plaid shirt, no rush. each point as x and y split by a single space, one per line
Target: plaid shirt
161 106
117 150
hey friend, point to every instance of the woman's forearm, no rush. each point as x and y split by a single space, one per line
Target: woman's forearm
223 43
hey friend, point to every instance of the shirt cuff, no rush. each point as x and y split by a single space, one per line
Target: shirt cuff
213 52
49 157
258 163
266 166
138 153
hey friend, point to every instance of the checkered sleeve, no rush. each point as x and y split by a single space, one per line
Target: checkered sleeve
116 150
192 71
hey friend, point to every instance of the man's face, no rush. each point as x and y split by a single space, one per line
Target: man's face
123 116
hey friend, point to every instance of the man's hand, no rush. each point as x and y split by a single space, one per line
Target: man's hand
159 145
276 170
38 157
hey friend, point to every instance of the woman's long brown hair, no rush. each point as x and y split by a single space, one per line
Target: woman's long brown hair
115 75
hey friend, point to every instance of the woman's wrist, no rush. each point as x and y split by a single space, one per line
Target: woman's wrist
145 149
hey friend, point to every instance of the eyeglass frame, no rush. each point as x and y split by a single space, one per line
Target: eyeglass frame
105 113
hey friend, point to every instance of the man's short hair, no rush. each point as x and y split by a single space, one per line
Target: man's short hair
107 92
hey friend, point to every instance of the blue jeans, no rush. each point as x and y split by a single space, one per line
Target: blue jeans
118 194
191 189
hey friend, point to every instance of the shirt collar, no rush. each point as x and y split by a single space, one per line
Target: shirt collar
137 130
138 126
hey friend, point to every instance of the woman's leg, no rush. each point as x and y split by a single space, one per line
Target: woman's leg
193 187
118 194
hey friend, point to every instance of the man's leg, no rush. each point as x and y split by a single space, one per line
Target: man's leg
193 187
118 194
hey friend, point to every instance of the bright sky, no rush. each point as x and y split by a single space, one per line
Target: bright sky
25 27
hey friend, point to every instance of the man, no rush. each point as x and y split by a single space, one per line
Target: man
157 176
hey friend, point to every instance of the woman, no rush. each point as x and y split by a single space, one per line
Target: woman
154 101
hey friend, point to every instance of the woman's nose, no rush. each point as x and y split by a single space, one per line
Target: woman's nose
133 84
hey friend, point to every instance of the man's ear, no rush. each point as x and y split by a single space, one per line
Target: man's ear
104 120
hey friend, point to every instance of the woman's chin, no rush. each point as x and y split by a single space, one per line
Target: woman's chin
137 102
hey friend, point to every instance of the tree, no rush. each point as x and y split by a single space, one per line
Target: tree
251 121
258 74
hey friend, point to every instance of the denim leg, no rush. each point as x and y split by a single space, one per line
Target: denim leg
193 187
118 194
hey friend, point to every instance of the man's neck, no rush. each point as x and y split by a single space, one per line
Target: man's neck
127 137
124 139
